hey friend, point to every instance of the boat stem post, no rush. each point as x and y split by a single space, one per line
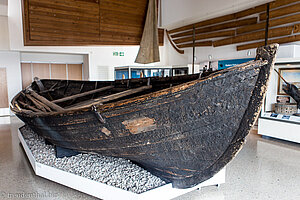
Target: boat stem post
267 24
194 33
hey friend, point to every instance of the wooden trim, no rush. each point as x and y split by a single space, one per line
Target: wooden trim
282 40
281 12
25 20
173 45
276 32
197 44
3 89
205 36
237 23
272 23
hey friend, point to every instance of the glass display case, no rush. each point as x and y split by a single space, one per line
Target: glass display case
138 72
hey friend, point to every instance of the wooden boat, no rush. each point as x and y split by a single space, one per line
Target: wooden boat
183 129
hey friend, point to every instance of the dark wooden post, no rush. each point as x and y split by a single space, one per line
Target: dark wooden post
194 33
267 24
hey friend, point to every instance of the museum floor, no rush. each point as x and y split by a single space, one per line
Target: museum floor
264 169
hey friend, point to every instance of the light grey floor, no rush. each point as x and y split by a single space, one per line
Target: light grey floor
264 169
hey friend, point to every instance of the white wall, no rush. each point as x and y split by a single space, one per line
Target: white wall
4 37
51 57
11 61
177 13
98 57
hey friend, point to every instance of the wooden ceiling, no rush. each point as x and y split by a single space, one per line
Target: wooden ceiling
84 22
245 28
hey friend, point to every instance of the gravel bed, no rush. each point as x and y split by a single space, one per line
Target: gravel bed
117 172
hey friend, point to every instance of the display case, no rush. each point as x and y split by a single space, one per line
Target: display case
128 72
274 122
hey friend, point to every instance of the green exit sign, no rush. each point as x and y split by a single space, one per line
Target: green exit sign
121 53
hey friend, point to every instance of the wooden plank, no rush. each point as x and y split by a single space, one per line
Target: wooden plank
67 5
72 97
63 15
281 12
276 32
58 71
70 33
43 18
45 101
3 89
282 40
89 16
222 26
26 74
173 45
50 35
197 44
35 102
272 23
64 25
109 97
74 71
206 36
41 70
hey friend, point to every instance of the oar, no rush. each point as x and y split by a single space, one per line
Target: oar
281 76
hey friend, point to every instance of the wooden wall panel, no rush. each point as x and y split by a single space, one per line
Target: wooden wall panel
3 89
26 74
75 71
84 22
58 71
41 70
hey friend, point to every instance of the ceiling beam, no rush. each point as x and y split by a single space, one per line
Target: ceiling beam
272 23
227 25
276 32
282 40
281 12
221 19
206 36
197 44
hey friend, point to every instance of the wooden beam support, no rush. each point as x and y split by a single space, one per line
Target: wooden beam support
173 45
282 40
35 102
276 32
206 36
109 97
227 25
197 44
281 12
272 23
45 101
72 97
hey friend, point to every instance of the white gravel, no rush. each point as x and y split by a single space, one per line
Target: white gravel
117 172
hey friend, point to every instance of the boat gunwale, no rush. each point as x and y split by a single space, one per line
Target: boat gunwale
259 63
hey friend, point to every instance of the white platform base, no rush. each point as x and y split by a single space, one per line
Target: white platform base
103 191
4 112
279 129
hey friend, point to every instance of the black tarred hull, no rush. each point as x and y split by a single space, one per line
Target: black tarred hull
184 134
